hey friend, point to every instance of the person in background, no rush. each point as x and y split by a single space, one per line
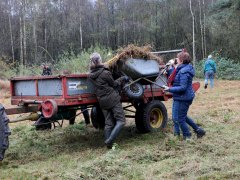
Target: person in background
209 71
183 96
46 70
108 98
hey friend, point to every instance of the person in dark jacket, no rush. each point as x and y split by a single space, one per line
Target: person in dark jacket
108 98
183 96
46 70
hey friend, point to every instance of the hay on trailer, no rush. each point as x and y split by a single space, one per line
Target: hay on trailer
132 51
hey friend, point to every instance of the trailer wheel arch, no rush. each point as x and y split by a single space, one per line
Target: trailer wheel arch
151 116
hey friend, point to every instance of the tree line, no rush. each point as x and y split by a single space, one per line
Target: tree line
33 31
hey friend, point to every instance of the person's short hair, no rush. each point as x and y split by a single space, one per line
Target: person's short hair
95 59
184 57
209 56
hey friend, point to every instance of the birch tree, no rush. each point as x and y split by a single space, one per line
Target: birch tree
193 33
10 29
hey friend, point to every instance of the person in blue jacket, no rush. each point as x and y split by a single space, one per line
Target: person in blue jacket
209 71
183 96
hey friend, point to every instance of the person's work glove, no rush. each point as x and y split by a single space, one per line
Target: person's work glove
170 62
165 88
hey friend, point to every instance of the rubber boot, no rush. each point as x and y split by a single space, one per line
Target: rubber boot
200 132
117 128
107 133
2 152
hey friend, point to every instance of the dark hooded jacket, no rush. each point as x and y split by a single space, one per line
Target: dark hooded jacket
182 85
105 87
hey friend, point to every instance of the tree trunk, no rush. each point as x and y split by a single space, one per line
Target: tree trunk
24 34
193 32
10 29
21 44
45 38
201 28
34 34
80 25
80 31
204 29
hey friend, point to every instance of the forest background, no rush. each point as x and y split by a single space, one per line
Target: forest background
62 33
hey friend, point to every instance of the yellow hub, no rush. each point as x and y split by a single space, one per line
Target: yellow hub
156 118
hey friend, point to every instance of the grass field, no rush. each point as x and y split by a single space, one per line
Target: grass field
78 152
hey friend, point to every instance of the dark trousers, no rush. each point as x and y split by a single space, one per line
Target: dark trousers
113 115
180 118
114 122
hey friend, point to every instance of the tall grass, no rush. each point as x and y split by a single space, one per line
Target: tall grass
68 61
79 63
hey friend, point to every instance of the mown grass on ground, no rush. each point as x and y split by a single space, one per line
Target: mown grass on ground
78 152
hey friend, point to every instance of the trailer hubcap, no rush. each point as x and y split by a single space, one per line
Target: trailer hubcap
49 108
156 118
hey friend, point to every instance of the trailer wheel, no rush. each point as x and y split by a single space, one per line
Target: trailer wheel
49 108
134 91
97 118
151 116
43 124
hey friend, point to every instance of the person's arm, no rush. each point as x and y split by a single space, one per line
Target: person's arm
109 79
214 67
183 84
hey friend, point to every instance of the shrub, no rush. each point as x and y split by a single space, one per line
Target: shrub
79 63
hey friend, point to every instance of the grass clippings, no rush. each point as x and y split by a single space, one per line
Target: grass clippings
132 51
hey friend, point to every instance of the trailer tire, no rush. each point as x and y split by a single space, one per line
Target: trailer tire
43 124
97 118
151 116
4 132
133 91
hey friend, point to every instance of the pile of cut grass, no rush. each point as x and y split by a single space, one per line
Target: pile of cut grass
132 51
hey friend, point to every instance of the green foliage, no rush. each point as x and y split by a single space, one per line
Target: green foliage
80 63
12 70
226 68
7 70
223 24
73 63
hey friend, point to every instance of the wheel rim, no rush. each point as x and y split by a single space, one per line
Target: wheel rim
134 88
156 118
49 108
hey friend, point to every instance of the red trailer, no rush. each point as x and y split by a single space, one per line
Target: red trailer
59 97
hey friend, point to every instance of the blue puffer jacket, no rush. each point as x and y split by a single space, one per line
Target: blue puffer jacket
182 85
